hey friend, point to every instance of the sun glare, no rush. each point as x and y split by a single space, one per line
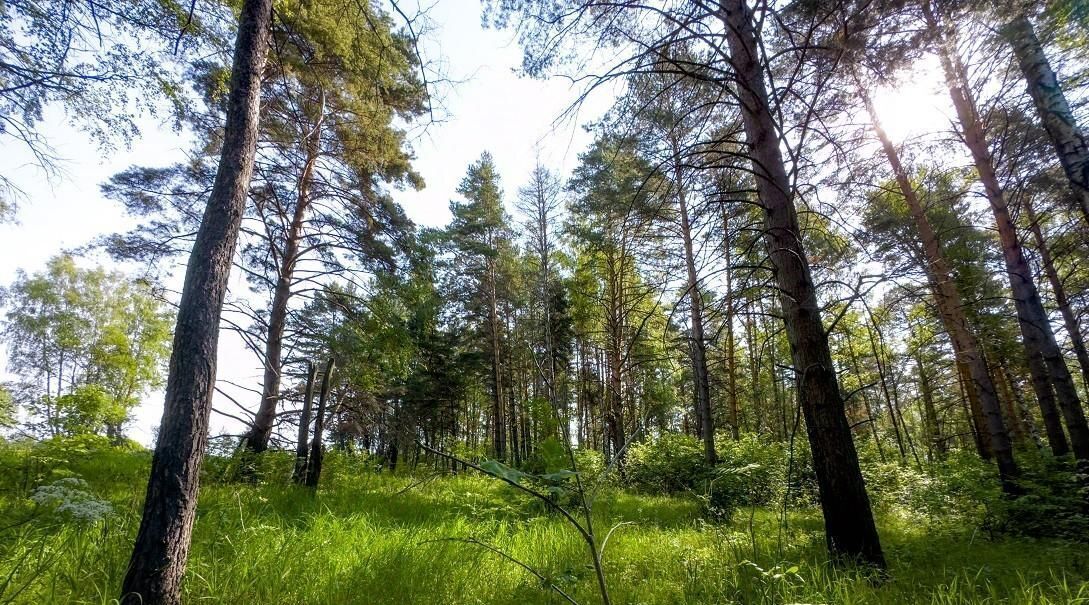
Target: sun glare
914 105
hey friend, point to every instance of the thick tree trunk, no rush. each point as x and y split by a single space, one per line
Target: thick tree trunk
701 380
849 525
985 402
301 448
317 448
1077 340
1045 359
1043 86
161 550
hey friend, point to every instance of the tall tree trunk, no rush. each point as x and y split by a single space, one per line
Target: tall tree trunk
1058 120
317 447
257 437
1077 340
702 382
499 425
161 550
849 525
983 395
731 347
881 378
968 403
1045 359
930 414
301 447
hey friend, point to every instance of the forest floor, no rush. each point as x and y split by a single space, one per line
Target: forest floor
374 538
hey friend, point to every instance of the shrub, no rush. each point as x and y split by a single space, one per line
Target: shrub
669 464
1055 503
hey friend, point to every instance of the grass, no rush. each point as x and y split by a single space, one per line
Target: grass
379 538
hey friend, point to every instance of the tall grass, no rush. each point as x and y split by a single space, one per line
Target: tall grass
376 538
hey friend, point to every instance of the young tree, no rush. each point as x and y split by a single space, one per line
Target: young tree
478 238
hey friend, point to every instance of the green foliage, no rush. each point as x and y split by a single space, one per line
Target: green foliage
549 456
7 407
1055 503
671 463
86 345
956 493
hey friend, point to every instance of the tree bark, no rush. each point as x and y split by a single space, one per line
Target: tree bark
731 348
161 549
701 381
935 441
317 448
1044 357
499 424
1077 340
301 448
982 395
1058 120
258 436
849 525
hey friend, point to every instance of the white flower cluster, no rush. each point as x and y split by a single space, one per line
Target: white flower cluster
69 496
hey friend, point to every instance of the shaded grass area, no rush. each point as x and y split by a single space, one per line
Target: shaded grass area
366 537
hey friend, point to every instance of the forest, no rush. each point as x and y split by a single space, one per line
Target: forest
763 332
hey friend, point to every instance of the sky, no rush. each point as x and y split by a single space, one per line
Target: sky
486 106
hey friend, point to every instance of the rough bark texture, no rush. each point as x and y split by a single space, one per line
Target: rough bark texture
951 309
301 448
1045 359
162 543
1043 86
849 526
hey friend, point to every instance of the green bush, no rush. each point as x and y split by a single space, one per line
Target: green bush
954 493
669 464
1055 502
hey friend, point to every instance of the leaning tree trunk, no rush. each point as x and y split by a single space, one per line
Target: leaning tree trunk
1058 289
966 346
699 342
1045 359
849 525
1043 86
161 550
